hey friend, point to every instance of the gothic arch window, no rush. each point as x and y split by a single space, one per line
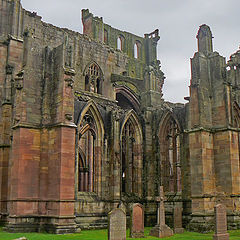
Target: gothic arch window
236 124
90 138
137 50
169 140
120 42
131 155
93 78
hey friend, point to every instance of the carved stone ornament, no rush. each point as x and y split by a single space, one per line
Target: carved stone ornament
69 82
18 81
68 116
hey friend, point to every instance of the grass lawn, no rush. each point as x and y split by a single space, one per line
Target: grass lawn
102 235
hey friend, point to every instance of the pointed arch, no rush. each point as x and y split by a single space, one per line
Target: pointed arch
93 77
92 107
236 124
131 154
90 147
123 93
170 153
236 115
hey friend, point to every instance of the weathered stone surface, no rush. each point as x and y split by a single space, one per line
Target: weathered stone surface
137 221
177 220
117 224
83 126
220 223
161 229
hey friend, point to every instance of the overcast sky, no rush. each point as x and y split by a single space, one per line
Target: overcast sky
177 20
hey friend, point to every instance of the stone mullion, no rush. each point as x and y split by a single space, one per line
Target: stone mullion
175 162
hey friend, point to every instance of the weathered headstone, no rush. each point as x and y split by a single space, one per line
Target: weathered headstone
177 220
220 223
137 221
161 229
117 224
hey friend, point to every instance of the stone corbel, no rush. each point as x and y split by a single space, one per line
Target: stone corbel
70 82
69 116
18 81
116 115
69 71
9 69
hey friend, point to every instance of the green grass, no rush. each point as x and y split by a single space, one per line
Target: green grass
102 235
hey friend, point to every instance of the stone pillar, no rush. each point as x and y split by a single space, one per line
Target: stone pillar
115 160
213 141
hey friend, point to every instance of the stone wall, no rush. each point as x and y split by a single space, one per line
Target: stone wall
50 98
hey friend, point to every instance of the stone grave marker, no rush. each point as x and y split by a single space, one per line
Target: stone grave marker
177 220
161 230
137 221
117 224
220 223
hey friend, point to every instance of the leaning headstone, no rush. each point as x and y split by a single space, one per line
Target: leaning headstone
117 224
177 220
137 221
220 223
161 230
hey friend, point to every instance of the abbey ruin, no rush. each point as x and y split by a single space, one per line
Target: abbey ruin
84 127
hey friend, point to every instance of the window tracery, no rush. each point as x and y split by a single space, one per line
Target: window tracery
93 79
131 154
170 156
86 147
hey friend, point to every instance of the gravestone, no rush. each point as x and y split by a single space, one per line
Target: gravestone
161 230
220 223
137 221
177 220
117 224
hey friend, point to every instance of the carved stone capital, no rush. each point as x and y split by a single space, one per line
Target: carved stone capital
69 116
70 82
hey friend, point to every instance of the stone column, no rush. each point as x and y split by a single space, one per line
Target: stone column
115 159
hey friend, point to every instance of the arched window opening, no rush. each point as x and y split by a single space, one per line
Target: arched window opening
89 144
236 124
99 90
93 79
137 49
86 146
131 157
128 157
120 42
126 100
170 156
